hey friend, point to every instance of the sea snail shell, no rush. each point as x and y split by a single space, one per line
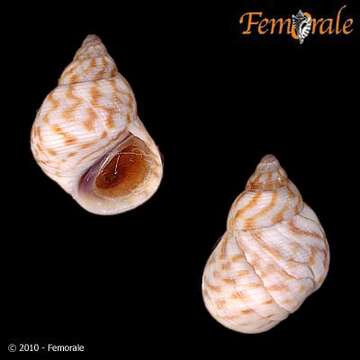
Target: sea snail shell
88 137
273 255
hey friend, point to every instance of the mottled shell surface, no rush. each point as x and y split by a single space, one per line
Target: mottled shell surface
273 255
90 117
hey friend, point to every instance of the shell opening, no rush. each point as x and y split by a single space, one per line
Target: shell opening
125 171
120 172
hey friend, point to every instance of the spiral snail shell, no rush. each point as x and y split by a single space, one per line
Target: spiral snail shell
88 137
273 255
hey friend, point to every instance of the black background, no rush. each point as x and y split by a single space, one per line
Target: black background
215 102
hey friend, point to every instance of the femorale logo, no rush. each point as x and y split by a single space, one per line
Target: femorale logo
298 26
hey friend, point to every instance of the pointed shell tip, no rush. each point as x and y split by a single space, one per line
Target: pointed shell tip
269 158
268 163
91 38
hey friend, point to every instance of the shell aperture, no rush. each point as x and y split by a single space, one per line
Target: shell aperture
273 255
88 137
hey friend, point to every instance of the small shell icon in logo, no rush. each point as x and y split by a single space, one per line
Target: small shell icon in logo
302 24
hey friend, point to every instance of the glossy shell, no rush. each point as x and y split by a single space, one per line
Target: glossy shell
273 255
90 113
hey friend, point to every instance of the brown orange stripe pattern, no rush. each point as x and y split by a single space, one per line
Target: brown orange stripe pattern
273 255
90 111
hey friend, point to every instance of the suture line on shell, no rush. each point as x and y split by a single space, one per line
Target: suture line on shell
84 120
272 231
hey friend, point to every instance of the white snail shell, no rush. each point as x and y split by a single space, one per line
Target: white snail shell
273 255
88 137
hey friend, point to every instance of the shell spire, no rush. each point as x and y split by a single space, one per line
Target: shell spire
273 255
91 62
269 197
269 175
87 136
91 47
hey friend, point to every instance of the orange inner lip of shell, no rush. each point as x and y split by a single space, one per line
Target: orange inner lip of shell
125 171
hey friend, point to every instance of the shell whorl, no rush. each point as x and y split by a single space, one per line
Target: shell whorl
273 255
269 197
269 175
88 114
91 62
